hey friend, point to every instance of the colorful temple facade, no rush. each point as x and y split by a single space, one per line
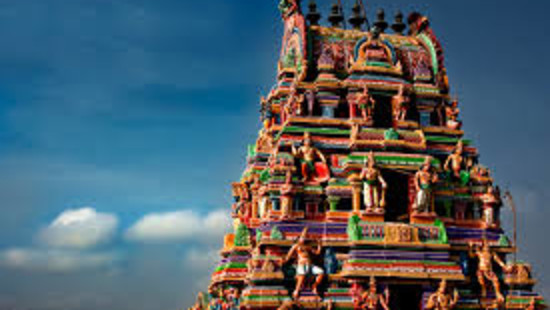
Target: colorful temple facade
360 192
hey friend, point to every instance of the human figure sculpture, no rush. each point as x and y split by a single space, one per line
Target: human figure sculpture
288 7
354 134
455 161
490 200
326 59
266 141
441 300
287 191
295 101
532 304
485 268
310 98
305 267
371 300
366 104
400 105
374 186
452 113
308 155
424 180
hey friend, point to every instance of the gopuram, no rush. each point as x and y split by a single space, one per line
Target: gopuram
361 192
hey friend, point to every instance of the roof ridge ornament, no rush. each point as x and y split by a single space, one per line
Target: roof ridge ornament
313 16
289 7
357 18
336 17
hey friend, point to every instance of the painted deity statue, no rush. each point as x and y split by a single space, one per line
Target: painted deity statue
424 181
400 105
308 155
374 186
366 104
490 200
485 268
305 266
441 300
266 141
310 98
452 112
288 7
287 189
456 161
371 300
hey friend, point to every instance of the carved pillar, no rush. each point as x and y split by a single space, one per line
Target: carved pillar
356 198
333 203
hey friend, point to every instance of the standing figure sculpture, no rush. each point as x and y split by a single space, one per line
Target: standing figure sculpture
310 98
455 161
371 300
366 104
308 155
491 200
452 112
441 300
424 180
305 267
374 186
400 105
485 268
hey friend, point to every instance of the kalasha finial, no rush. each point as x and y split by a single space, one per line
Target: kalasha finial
398 25
357 19
381 23
313 16
336 18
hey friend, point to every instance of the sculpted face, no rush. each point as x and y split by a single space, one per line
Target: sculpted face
427 166
443 286
372 160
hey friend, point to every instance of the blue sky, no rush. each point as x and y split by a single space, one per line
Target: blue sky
135 113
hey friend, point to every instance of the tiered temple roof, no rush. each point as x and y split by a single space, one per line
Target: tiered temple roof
361 184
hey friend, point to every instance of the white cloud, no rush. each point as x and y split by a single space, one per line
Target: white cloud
180 226
54 260
80 229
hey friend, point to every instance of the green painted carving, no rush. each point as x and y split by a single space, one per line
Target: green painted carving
264 176
258 236
242 235
276 234
503 241
333 202
443 238
464 177
289 60
354 230
391 134
251 150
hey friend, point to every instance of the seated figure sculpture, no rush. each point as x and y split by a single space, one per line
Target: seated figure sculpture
455 161
424 181
371 300
308 155
485 268
452 113
441 300
305 267
374 186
